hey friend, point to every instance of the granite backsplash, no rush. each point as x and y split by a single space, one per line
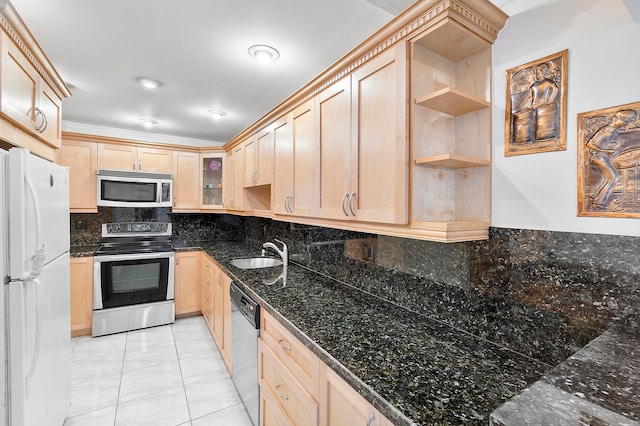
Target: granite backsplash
542 294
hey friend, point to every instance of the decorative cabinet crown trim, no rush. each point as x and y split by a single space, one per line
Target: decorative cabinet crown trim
16 29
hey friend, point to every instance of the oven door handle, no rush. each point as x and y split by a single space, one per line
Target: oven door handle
132 256
97 286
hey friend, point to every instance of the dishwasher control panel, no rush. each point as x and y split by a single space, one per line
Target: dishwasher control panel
249 308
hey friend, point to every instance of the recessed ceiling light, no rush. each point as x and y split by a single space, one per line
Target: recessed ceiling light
148 122
148 83
216 114
263 53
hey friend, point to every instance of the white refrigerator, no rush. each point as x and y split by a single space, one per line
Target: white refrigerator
35 342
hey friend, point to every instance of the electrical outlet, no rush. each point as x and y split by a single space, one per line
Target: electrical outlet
368 253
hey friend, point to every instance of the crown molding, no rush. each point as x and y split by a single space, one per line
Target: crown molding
133 135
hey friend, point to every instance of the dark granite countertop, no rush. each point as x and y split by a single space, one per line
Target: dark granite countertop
598 385
83 251
412 368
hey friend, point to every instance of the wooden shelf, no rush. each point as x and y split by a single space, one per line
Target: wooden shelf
452 101
451 161
452 41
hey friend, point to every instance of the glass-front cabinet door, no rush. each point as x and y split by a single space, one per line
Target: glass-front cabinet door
211 180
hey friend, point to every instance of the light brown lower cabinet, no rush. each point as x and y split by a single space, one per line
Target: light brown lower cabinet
208 272
342 405
186 279
295 404
222 316
297 388
81 293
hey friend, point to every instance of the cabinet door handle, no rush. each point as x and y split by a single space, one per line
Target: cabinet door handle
133 166
351 197
42 125
39 120
287 204
233 201
286 348
290 203
372 417
344 209
254 177
285 397
139 164
46 123
174 201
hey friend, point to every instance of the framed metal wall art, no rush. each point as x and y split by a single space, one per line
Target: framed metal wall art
609 162
536 107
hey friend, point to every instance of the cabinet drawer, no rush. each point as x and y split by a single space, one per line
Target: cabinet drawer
299 407
300 361
270 411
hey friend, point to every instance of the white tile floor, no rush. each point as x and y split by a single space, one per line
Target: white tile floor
169 375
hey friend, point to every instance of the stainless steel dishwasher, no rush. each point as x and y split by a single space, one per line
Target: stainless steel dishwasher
245 329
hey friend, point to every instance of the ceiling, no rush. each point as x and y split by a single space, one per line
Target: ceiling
197 49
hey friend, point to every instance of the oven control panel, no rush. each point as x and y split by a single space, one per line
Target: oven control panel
135 228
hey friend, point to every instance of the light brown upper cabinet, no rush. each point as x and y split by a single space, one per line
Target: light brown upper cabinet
258 159
282 165
82 159
28 100
294 166
362 143
333 133
186 181
379 146
213 175
234 179
138 158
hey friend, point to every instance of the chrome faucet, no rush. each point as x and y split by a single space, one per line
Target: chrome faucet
284 255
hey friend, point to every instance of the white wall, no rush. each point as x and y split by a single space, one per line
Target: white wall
539 191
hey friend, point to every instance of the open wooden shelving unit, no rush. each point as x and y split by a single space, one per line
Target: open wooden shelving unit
451 132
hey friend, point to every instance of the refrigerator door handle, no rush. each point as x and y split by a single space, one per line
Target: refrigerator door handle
41 252
36 344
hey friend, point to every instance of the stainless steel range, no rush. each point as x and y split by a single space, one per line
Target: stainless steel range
133 285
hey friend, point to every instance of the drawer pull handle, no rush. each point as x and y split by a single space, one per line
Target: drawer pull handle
285 397
372 417
286 348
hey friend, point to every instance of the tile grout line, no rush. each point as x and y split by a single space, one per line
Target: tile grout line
184 387
124 356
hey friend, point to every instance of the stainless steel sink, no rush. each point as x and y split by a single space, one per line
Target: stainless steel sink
256 262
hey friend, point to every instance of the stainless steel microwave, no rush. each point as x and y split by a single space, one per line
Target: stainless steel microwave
120 188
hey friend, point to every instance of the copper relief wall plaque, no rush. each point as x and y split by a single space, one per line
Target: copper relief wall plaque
536 106
609 162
